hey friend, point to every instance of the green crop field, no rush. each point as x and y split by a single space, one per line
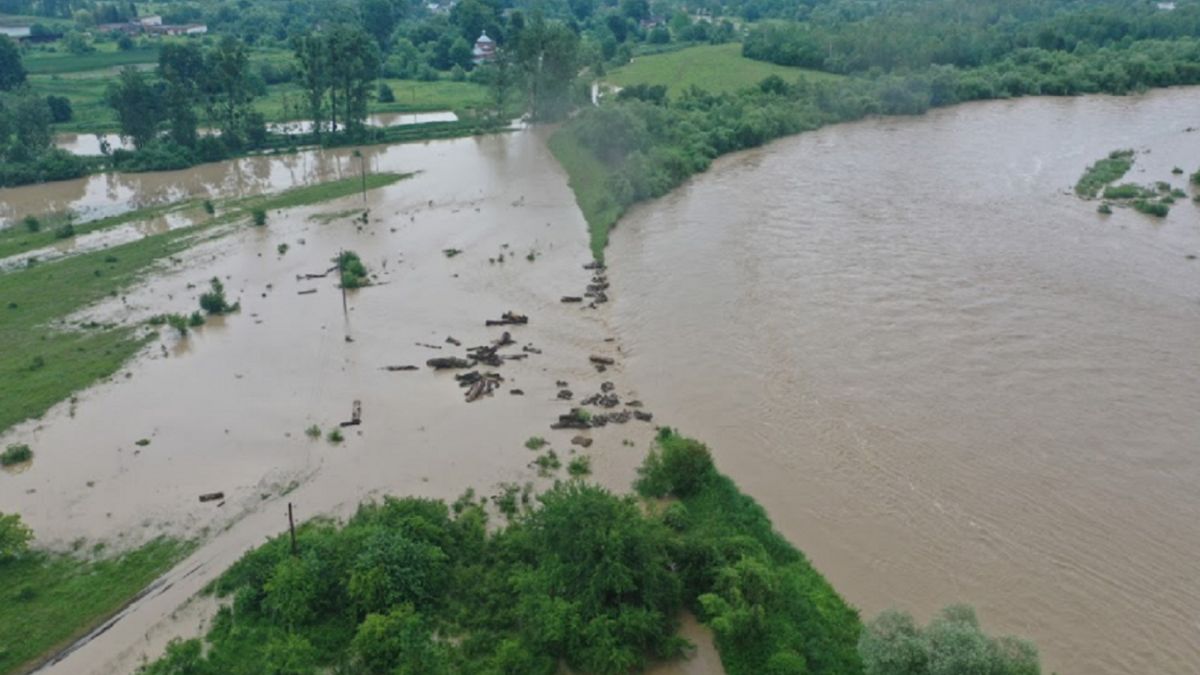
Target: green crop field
717 68
45 62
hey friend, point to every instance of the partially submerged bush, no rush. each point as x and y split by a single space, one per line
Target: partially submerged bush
258 217
353 272
214 301
16 453
952 643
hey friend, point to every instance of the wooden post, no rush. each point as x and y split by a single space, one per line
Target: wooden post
292 528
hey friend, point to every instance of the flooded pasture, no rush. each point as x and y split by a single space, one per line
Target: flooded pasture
226 408
946 377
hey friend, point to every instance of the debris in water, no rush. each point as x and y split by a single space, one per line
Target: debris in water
509 318
395 369
211 496
355 415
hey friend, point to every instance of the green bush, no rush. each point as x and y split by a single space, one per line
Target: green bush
952 643
353 271
32 224
385 93
14 537
1123 191
1152 208
16 453
680 467
1103 172
213 301
258 217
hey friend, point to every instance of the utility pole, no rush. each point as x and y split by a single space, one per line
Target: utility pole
292 529
362 170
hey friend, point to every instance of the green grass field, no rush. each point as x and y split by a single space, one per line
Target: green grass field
49 600
44 362
717 68
44 62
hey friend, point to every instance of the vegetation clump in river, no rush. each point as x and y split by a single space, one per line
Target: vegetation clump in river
1103 172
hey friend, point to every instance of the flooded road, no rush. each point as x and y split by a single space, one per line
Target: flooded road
947 378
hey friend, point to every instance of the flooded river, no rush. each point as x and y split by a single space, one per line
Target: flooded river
945 377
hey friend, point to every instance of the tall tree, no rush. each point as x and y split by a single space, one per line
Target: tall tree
228 89
30 120
548 54
182 69
138 106
12 71
379 19
314 75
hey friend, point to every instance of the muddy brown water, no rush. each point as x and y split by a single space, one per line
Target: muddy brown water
945 377
226 408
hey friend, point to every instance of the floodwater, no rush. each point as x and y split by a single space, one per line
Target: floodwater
90 144
226 408
946 377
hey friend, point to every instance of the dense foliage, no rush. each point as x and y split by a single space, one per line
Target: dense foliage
26 153
952 644
585 579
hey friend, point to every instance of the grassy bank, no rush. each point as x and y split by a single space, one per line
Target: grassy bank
588 177
106 56
49 600
582 578
45 361
714 68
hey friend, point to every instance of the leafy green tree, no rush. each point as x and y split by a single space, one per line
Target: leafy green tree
398 642
379 19
14 537
228 89
60 109
183 69
12 71
893 644
31 124
77 43
138 106
547 52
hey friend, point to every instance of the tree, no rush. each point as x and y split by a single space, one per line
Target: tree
77 43
12 71
14 537
138 106
60 109
182 68
379 19
31 124
547 53
227 89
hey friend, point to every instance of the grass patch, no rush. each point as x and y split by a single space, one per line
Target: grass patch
38 62
580 466
16 453
49 600
535 443
716 68
1103 172
44 361
588 177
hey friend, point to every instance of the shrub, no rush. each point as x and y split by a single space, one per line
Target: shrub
679 467
282 248
17 453
14 537
385 94
258 217
353 271
547 463
179 322
214 301
313 431
535 442
196 319
335 436
32 224
65 231
208 207
1152 208
1104 208
580 466
1123 191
